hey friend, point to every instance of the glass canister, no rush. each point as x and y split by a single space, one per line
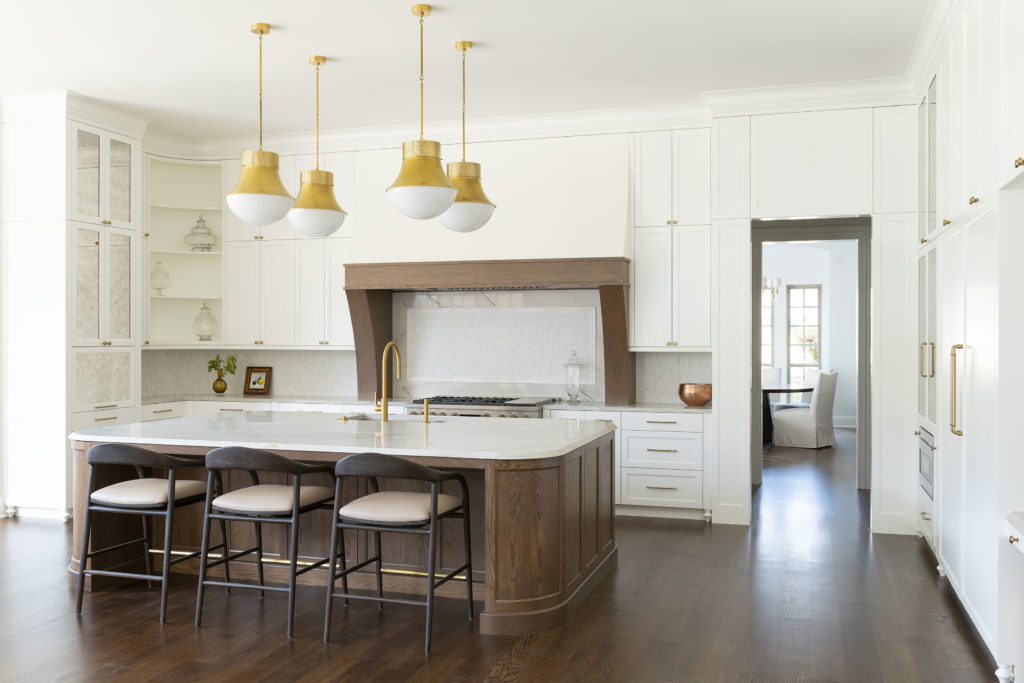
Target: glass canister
573 372
201 238
205 325
159 278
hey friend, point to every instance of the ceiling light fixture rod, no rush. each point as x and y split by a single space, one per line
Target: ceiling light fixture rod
421 11
261 30
316 61
463 46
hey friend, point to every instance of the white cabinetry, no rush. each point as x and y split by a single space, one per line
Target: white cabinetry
895 159
730 167
260 286
811 164
1010 158
104 177
662 460
671 288
672 178
928 354
103 378
321 306
104 304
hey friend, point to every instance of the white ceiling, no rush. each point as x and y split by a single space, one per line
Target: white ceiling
190 65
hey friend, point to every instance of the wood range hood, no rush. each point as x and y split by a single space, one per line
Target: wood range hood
369 288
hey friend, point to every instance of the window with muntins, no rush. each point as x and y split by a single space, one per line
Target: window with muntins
803 310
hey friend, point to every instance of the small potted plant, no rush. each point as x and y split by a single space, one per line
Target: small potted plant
228 365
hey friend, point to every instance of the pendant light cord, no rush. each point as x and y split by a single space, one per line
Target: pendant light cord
318 117
261 91
421 75
463 104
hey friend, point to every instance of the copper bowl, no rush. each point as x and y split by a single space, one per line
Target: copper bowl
695 395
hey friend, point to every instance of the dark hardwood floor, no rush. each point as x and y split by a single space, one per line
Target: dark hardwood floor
805 594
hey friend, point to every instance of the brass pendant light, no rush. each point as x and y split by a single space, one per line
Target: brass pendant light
471 209
422 189
316 213
260 197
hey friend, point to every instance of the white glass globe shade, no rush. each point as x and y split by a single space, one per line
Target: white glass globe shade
259 209
316 222
467 216
422 201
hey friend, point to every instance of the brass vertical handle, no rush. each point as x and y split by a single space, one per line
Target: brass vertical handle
952 389
920 360
932 369
426 411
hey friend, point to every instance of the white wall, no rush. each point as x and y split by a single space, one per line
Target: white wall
833 265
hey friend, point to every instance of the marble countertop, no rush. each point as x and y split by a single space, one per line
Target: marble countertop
638 407
268 398
452 437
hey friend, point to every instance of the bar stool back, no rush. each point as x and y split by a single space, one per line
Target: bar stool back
395 511
144 496
258 504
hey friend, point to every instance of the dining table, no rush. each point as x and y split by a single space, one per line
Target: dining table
768 388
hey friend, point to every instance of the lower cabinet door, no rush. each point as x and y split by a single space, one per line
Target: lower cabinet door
663 451
103 378
103 418
662 488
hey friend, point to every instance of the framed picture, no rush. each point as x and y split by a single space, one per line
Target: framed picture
257 381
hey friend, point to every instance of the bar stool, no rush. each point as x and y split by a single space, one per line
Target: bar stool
400 512
144 496
258 504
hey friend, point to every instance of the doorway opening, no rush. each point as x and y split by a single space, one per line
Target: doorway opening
811 339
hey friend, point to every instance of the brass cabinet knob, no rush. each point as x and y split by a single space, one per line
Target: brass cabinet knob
973 200
107 222
146 342
923 240
668 343
668 222
1014 539
946 221
1019 162
917 433
145 234
925 517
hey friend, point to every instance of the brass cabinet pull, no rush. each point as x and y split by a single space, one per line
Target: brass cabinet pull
106 405
663 488
231 410
952 389
973 200
923 240
946 221
661 422
932 373
917 432
1019 162
101 419
662 450
920 360
108 223
165 410
925 517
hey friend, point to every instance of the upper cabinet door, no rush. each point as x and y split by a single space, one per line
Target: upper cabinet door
1011 157
242 292
652 287
104 301
277 292
895 159
652 179
86 268
309 292
119 258
691 176
339 320
691 308
104 177
730 167
944 144
811 164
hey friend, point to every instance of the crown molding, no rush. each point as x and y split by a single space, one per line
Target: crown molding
106 115
38 106
933 37
877 92
598 122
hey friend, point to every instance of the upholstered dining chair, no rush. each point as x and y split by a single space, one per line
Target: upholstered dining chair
809 427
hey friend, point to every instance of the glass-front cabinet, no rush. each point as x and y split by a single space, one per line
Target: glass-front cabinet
104 178
927 166
103 267
102 379
927 335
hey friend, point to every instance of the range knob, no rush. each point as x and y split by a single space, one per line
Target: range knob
415 412
486 415
453 414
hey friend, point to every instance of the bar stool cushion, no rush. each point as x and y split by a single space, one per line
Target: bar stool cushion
397 506
146 492
270 499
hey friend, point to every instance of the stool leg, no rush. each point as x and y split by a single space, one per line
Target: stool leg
469 559
204 557
168 526
226 551
145 547
331 561
380 576
84 556
292 568
259 556
431 551
344 564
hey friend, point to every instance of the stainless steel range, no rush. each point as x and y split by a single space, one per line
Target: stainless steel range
483 406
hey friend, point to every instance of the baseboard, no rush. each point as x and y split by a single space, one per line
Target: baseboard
845 422
40 513
894 523
652 511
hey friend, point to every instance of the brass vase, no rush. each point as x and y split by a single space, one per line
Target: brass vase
695 395
219 385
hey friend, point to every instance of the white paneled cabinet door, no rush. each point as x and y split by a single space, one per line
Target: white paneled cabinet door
277 292
1011 149
310 290
691 309
950 454
691 176
339 320
652 287
652 179
104 174
121 169
730 167
242 292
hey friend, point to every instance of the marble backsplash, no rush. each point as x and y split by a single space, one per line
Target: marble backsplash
658 375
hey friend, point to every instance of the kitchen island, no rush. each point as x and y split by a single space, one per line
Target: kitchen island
540 500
